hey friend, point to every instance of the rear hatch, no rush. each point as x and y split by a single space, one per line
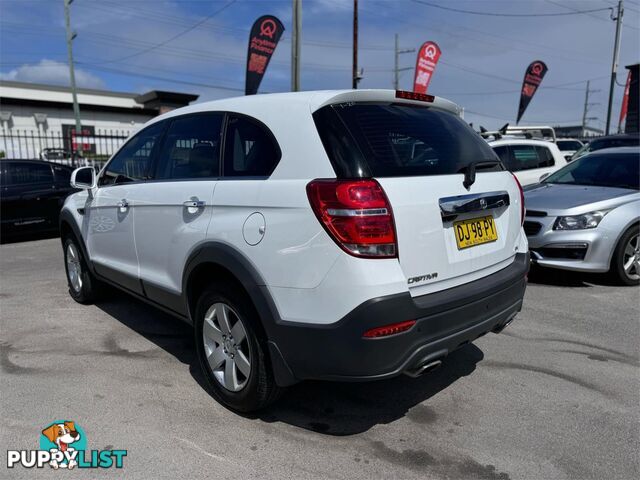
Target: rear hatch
457 212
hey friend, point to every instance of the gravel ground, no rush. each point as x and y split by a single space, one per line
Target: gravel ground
555 396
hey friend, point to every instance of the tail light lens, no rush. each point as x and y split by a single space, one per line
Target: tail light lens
521 199
356 214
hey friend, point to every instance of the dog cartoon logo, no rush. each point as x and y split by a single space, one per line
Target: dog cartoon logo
62 435
63 444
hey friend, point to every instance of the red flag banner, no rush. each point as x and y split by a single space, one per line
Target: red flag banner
625 101
263 39
428 57
532 80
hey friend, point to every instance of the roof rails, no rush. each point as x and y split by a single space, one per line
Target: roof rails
497 134
538 133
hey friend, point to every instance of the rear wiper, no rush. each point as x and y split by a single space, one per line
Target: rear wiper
470 170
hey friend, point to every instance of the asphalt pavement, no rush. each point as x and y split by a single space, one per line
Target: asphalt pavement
555 396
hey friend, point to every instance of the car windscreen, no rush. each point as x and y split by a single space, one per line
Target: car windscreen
569 145
621 170
399 140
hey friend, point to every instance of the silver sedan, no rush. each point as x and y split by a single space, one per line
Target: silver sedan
586 216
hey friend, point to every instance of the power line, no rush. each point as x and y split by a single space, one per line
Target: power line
592 16
550 49
184 32
90 66
496 14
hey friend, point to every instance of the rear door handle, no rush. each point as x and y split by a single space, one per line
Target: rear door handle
194 203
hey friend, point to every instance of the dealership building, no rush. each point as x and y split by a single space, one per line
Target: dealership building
35 116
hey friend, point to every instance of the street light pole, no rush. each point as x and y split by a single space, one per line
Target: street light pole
354 73
295 45
614 64
72 76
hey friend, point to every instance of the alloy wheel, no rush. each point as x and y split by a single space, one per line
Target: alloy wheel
631 258
74 268
226 346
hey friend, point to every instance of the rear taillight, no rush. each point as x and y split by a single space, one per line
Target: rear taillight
521 199
356 214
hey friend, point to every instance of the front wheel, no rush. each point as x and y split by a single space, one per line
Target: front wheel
625 263
231 353
82 284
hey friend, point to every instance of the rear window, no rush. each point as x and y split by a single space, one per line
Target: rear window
569 145
394 140
29 173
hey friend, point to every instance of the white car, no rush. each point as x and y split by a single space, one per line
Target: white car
529 160
338 235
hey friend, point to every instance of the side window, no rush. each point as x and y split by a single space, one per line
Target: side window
250 150
191 148
545 157
503 152
29 173
525 157
132 163
63 175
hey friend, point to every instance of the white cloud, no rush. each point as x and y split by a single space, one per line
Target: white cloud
53 73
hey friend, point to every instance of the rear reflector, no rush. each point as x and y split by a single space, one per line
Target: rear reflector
356 214
389 329
421 97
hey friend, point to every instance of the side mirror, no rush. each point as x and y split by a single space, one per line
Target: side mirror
543 176
84 178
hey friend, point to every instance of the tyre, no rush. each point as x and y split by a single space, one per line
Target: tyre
83 286
625 263
231 351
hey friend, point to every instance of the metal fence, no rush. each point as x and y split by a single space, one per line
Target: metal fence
75 150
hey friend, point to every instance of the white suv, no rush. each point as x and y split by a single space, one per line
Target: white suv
341 235
530 160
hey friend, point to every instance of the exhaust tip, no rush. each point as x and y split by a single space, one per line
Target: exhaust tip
500 328
424 368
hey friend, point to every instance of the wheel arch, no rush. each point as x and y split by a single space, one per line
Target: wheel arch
215 260
68 226
634 222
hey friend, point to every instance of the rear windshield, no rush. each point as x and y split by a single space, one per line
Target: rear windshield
394 140
569 145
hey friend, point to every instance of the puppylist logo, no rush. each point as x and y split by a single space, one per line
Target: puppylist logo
63 444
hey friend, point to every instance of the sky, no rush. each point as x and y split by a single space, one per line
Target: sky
125 45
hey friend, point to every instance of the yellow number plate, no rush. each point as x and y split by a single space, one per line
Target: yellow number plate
475 231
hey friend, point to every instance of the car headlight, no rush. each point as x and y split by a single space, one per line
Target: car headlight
580 222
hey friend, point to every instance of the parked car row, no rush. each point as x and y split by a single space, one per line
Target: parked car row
363 235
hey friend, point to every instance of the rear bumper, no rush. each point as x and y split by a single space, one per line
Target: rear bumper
444 321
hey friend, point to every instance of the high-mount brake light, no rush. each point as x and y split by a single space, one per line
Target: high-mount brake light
521 199
391 329
421 97
356 214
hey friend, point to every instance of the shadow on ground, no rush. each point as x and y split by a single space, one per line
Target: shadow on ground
27 237
325 407
566 278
